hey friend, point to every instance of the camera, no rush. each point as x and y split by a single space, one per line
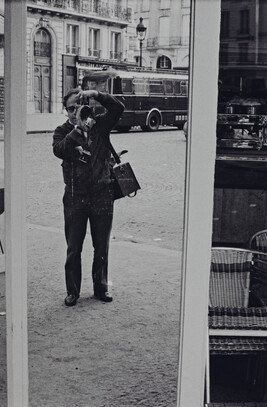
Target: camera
85 114
84 156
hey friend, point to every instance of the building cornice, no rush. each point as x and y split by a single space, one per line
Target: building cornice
65 13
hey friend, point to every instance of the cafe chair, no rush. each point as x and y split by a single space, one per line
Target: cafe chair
237 315
259 241
2 209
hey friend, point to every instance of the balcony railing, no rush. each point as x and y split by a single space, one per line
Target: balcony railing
152 42
72 50
234 58
100 8
116 55
175 40
94 53
167 41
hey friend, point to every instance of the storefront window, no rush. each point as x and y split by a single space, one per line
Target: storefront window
240 194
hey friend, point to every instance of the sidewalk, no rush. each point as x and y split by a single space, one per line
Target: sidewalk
44 122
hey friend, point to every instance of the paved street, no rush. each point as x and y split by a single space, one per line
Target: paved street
155 215
124 353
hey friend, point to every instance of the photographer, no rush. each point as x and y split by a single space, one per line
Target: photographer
82 143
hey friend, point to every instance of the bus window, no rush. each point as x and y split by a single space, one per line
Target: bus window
117 86
156 87
139 86
127 86
100 86
184 87
168 87
177 87
85 84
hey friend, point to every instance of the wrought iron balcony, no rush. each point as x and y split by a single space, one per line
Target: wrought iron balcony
72 50
152 42
116 55
94 53
167 41
87 8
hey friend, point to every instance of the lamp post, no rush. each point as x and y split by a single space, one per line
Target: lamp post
141 34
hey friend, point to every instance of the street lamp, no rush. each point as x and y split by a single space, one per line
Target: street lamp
141 34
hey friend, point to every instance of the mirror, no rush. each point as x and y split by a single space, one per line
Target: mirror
124 352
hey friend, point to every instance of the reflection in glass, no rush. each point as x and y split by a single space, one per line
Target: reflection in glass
123 353
240 196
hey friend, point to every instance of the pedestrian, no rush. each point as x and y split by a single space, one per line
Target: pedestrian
82 143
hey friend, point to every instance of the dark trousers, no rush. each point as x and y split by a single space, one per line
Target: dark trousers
97 207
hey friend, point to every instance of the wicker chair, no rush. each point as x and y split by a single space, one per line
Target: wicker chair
259 284
237 315
259 241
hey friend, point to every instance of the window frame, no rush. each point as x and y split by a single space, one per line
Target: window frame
69 46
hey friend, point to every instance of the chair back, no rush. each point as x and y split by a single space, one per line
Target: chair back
230 277
259 241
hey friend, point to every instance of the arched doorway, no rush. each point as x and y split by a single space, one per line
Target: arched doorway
42 71
164 62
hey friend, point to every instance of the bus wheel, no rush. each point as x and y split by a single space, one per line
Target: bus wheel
123 129
153 121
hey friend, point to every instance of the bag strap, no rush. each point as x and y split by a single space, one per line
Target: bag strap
112 150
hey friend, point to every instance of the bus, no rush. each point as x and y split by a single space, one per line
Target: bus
152 98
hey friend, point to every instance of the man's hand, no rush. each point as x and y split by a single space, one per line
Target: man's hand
79 149
83 96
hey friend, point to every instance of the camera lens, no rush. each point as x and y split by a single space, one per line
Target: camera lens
86 112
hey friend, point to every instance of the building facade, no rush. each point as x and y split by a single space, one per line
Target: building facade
243 50
67 37
167 39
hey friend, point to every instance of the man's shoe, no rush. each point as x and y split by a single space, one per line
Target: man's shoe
104 296
71 300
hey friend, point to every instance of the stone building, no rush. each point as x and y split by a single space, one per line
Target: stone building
167 38
67 37
243 50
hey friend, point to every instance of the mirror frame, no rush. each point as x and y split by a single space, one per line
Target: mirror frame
15 202
200 166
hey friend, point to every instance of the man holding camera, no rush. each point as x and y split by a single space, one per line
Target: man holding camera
82 143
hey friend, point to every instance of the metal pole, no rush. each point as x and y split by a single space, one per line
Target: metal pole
140 54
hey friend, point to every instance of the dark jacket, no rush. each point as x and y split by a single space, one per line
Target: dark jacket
79 176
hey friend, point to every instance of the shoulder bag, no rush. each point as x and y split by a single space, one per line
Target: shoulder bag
124 179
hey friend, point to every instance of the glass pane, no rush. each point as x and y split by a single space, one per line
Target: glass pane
168 86
127 86
156 87
240 181
124 353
